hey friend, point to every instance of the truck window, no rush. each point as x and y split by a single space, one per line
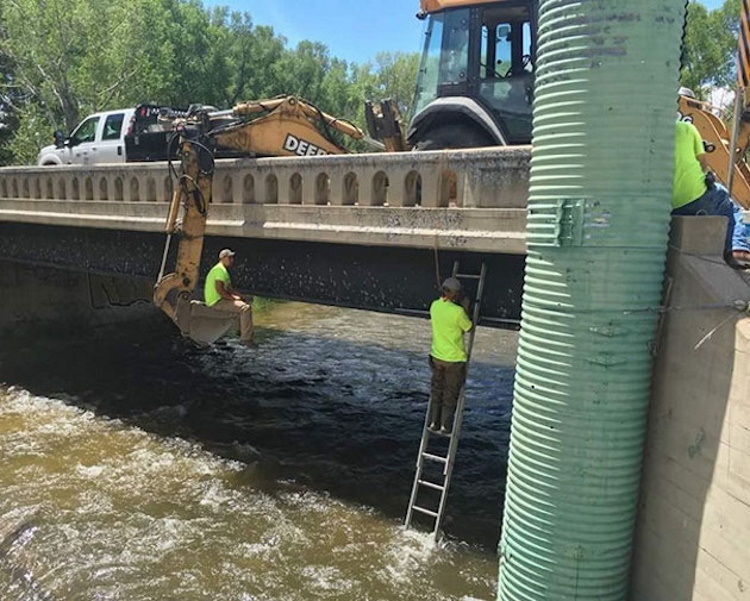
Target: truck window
113 126
86 131
505 50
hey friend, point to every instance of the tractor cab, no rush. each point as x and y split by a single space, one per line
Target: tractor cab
476 78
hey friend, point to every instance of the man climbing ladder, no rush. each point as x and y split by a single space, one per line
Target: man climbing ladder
449 359
448 354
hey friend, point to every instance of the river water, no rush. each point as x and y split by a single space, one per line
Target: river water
136 468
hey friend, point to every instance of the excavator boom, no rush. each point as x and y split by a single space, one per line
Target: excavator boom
282 127
192 196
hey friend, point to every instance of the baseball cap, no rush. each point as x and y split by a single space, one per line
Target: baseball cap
451 285
683 91
226 253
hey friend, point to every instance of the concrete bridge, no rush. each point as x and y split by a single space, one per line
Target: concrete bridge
363 231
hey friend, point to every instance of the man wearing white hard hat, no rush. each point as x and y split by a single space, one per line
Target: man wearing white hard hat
220 296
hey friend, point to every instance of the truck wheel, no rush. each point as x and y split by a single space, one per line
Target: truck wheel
454 136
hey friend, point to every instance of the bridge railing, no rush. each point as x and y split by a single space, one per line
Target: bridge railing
472 200
482 178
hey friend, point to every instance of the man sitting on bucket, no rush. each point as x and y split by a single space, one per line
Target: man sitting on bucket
220 296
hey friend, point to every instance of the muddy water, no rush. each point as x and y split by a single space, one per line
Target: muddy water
136 468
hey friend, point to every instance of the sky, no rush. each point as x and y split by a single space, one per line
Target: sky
354 30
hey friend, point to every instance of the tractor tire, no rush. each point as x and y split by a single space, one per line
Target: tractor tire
454 136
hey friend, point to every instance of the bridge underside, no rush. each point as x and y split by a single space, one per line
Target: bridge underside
400 280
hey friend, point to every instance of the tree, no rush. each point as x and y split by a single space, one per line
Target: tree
10 101
709 47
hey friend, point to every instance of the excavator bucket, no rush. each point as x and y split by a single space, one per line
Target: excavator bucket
205 326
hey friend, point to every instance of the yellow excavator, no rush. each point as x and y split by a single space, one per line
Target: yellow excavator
284 126
483 98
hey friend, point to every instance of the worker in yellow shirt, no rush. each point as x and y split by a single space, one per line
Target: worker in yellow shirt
448 354
695 194
220 296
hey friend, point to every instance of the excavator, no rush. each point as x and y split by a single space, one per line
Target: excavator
283 126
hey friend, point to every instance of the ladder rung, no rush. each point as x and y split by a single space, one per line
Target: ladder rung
432 485
432 457
439 433
425 511
468 276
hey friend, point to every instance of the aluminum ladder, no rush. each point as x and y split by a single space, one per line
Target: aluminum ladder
420 482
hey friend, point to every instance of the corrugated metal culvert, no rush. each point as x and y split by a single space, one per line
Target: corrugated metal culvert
598 224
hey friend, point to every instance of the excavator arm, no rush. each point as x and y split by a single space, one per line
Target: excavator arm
192 197
285 126
384 122
716 136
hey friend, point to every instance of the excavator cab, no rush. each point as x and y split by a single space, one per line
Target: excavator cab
476 78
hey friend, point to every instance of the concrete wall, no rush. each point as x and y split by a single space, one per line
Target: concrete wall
693 531
32 295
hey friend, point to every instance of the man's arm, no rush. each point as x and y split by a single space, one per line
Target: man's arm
464 321
703 160
225 292
698 148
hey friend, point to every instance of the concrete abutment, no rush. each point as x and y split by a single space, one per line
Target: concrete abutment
43 296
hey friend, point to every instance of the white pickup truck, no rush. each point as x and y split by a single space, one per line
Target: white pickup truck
100 138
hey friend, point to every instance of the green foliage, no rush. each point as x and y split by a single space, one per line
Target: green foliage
709 47
32 132
63 59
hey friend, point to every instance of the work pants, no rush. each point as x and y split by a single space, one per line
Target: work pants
716 201
447 381
243 311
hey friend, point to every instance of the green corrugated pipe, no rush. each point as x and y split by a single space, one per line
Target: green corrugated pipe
601 176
